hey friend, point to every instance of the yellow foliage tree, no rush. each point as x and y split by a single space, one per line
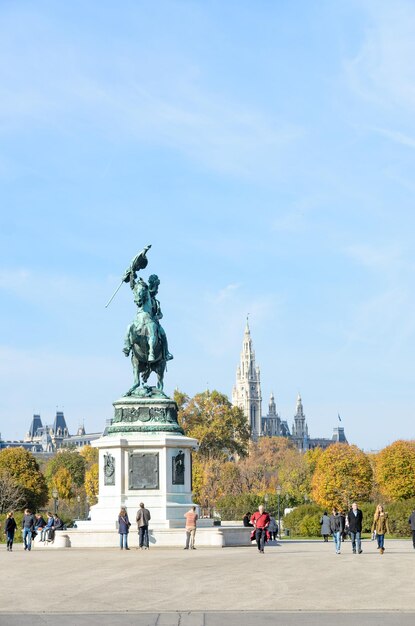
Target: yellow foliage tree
90 454
62 482
395 470
213 478
275 461
23 470
197 479
311 457
92 481
343 474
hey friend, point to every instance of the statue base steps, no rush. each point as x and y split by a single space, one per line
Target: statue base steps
61 540
206 537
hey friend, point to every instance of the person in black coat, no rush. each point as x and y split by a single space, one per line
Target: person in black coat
245 520
355 519
9 530
123 528
57 523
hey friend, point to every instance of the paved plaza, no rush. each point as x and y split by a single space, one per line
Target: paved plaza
293 583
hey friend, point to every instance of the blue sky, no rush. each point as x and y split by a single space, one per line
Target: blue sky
265 150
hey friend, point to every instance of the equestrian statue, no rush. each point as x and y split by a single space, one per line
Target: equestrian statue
145 340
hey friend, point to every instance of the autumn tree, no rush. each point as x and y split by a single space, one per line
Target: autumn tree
343 474
23 470
220 428
11 494
311 457
395 470
92 481
213 478
274 461
294 476
70 460
90 455
61 480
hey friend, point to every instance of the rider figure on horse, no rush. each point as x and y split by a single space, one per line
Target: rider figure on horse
147 319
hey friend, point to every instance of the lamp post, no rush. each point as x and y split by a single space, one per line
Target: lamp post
55 499
79 506
278 490
266 501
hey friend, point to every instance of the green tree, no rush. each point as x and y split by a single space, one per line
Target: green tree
220 428
343 473
70 460
395 470
23 470
304 521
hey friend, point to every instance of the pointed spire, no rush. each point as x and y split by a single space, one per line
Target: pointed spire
247 392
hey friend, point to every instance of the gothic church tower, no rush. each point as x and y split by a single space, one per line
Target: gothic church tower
247 391
300 428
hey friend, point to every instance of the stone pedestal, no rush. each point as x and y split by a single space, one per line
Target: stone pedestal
144 457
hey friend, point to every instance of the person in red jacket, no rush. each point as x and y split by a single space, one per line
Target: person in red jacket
260 520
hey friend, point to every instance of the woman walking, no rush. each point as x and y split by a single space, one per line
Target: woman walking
273 528
9 530
381 526
336 529
325 526
123 528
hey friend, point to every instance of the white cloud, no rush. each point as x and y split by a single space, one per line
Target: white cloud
383 71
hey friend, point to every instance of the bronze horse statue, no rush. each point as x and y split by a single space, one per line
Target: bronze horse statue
145 343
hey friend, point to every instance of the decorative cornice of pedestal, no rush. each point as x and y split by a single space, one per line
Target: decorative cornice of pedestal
138 415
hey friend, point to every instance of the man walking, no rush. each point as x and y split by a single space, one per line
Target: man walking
355 519
336 529
260 520
191 520
143 517
412 523
28 524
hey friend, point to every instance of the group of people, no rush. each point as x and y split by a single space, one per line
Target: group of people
143 517
340 526
32 525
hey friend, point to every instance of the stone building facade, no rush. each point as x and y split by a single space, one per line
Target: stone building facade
48 439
